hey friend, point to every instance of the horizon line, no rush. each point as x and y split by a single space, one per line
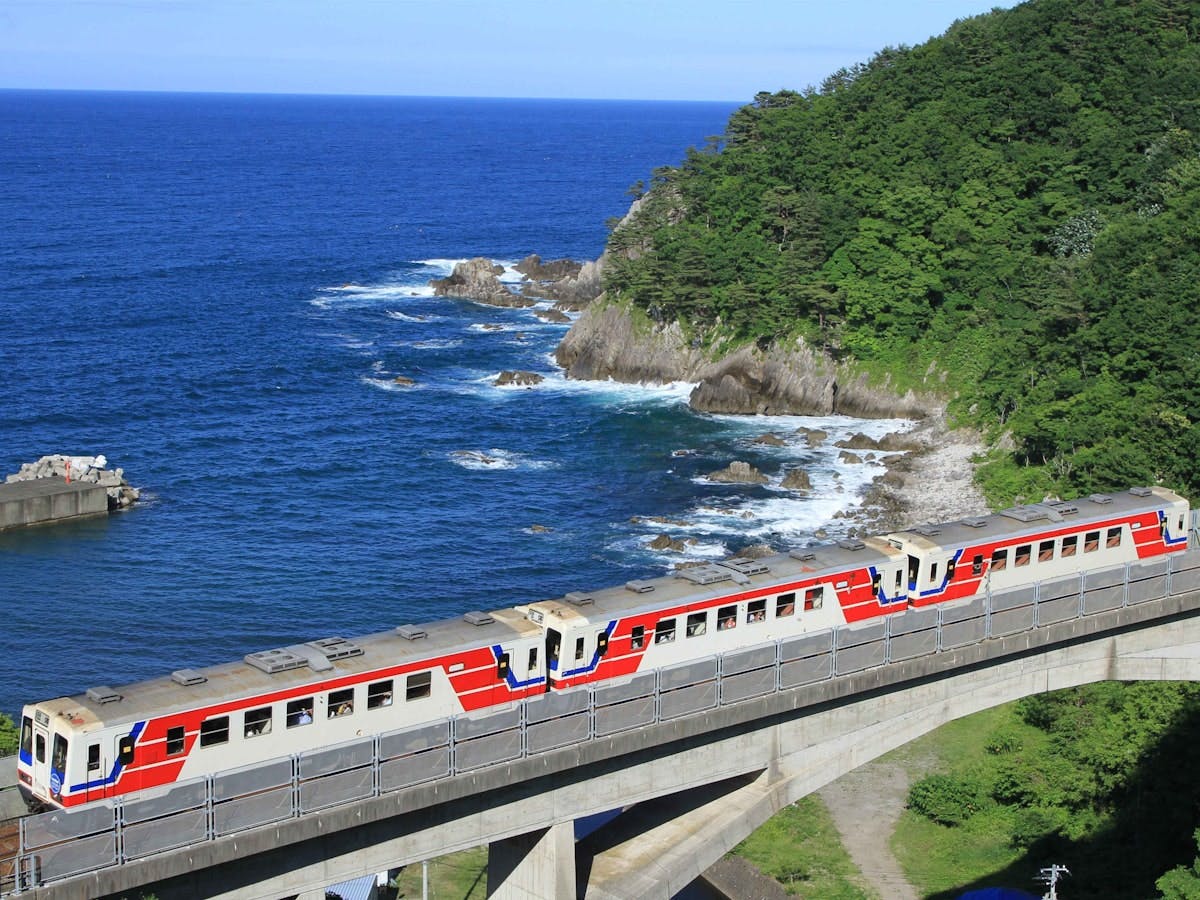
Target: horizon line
328 94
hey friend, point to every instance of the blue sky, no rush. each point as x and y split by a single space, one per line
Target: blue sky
634 49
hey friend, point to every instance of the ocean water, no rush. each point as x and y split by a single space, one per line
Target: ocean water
217 292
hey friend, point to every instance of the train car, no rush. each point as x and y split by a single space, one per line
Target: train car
109 742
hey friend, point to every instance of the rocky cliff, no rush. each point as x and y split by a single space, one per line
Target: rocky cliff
794 379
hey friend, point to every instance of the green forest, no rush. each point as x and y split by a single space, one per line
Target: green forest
1009 212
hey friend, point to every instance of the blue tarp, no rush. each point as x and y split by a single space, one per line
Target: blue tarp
997 894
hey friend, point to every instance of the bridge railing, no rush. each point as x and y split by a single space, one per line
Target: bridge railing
59 844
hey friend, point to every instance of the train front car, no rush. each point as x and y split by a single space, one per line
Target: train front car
1040 541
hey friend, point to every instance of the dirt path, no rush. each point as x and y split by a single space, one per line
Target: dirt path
865 805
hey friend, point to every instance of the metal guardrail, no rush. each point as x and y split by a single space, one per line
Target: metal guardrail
59 844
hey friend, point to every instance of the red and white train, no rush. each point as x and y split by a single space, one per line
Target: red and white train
111 742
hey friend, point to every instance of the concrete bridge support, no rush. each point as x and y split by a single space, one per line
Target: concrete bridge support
534 865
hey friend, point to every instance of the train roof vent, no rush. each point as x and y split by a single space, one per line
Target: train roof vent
975 522
477 618
410 632
1029 513
705 574
926 530
1100 498
274 661
336 648
103 694
745 565
802 555
578 598
639 587
188 677
851 544
1140 491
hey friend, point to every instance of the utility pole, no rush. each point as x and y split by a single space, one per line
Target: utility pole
1049 876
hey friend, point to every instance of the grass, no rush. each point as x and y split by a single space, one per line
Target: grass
456 876
800 848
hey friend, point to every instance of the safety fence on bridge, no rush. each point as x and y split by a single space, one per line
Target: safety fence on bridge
59 844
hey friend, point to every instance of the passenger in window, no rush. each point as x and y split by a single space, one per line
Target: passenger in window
305 717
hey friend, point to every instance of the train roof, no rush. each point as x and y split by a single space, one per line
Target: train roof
285 668
1034 518
701 583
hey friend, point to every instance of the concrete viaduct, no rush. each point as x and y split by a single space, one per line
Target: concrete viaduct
718 749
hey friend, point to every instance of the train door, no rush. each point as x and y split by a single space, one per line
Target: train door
41 756
553 653
97 768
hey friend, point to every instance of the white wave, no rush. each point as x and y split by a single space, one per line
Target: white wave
493 327
443 344
443 266
496 459
404 317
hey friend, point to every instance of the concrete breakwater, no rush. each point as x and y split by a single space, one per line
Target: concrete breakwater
60 487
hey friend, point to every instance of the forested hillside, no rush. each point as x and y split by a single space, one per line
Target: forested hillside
1010 212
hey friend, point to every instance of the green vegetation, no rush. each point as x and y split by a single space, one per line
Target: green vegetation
1015 203
800 848
8 736
1097 778
457 876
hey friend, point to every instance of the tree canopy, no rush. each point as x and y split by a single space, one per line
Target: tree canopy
1015 205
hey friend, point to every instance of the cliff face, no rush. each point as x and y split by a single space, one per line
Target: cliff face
793 380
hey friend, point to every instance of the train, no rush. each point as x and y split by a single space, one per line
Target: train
110 742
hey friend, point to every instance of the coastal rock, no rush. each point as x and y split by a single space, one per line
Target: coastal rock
510 378
770 440
477 279
658 520
609 341
666 542
539 529
570 284
857 441
738 472
796 480
403 381
553 316
533 268
851 458
814 437
756 551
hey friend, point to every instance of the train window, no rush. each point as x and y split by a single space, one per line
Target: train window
175 740
93 757
418 686
813 598
1091 542
1045 551
531 665
299 712
756 611
977 564
256 722
697 624
59 761
950 568
214 731
1180 526
664 631
26 735
637 637
932 572
726 618
785 605
601 643
379 694
1114 538
40 749
999 559
899 579
341 703
1023 555
502 663
1069 545
125 750
578 649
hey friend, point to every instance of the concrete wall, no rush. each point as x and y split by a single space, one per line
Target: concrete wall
48 500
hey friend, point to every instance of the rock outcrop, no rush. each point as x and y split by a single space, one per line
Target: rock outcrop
510 378
478 279
84 469
796 480
738 472
606 342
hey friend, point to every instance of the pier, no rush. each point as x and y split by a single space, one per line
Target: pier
45 500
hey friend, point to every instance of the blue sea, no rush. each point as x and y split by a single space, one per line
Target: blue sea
217 292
